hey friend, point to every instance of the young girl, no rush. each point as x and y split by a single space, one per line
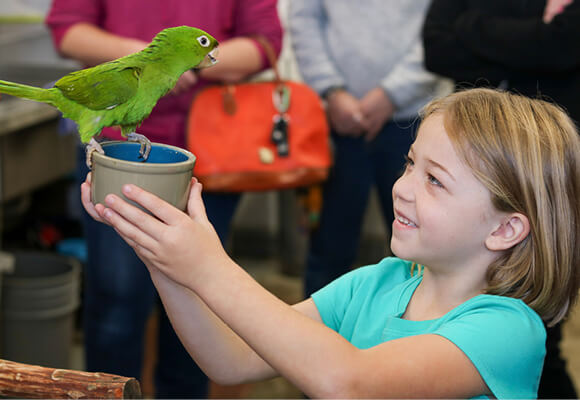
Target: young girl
486 216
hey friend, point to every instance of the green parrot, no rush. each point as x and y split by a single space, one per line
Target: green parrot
123 92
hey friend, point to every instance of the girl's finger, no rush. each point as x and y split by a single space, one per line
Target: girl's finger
195 206
158 207
143 252
130 222
87 201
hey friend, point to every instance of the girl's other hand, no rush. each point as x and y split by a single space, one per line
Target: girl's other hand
93 210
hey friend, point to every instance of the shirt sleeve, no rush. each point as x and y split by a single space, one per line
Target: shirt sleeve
333 300
259 18
408 81
353 288
505 340
66 13
306 23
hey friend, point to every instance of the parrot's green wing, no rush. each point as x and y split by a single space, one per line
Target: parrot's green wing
104 86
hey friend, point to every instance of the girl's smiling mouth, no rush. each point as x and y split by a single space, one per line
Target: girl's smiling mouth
404 221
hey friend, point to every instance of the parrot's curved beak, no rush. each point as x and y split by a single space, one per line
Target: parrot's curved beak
209 60
212 55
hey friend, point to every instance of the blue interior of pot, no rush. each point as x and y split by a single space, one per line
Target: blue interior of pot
130 152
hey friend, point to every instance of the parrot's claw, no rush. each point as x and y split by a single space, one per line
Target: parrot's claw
92 147
145 148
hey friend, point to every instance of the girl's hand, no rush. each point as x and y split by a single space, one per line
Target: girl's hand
91 208
553 8
171 241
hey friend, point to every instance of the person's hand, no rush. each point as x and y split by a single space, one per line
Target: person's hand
87 202
377 109
185 82
553 8
177 244
345 114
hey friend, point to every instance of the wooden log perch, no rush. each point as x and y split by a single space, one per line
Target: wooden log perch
35 382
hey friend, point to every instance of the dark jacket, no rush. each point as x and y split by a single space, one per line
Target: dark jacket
505 42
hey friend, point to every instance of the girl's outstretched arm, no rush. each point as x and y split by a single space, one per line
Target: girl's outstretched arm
218 350
292 340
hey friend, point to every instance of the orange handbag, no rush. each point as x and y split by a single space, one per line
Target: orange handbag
258 136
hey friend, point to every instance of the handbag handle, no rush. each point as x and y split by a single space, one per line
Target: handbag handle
281 94
270 54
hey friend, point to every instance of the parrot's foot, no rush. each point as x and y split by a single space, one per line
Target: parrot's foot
145 144
92 147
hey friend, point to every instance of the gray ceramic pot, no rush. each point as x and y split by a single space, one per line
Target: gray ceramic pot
166 173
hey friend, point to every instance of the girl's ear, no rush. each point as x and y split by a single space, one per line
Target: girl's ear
513 229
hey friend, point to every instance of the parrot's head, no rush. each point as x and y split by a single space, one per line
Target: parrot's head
192 46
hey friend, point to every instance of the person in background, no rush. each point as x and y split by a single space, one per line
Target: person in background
119 295
528 47
449 317
366 60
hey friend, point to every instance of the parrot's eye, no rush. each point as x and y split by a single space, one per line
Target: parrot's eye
203 40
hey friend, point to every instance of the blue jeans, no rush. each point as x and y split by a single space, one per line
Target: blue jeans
119 297
358 165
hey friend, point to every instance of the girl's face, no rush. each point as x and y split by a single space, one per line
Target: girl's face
443 214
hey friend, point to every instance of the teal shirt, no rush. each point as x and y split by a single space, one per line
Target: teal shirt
503 337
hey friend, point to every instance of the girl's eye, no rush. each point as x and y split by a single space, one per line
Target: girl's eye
408 162
432 180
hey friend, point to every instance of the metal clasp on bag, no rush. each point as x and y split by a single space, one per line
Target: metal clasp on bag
279 136
281 98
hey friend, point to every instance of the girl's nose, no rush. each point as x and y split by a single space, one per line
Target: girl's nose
402 189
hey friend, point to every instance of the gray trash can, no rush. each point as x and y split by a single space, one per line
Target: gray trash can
37 309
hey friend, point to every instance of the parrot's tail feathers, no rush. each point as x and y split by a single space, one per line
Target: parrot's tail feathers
26 92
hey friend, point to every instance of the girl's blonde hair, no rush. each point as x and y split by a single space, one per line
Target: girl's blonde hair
527 153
